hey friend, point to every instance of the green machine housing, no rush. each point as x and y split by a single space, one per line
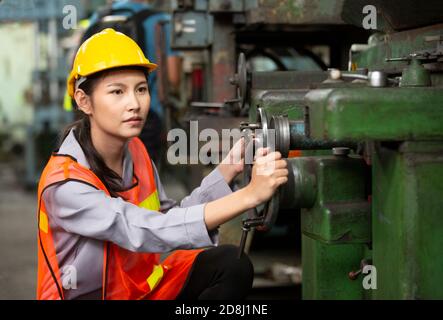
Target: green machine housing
369 181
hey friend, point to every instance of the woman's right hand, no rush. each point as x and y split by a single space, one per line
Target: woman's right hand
268 173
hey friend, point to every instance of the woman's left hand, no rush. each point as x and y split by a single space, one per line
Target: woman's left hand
233 163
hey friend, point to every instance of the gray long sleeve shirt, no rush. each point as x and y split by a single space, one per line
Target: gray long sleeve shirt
82 217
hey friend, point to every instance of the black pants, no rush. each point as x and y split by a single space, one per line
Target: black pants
218 273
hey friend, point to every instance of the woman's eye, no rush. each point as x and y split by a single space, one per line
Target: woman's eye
142 89
117 92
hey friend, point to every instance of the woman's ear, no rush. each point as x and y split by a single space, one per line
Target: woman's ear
83 101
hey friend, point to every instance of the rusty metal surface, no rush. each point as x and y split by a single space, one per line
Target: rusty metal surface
398 45
395 15
303 12
223 60
286 79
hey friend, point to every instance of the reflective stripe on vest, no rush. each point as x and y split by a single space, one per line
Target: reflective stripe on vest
126 274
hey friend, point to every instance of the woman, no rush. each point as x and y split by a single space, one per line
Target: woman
103 214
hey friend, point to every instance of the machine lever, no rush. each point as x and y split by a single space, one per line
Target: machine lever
353 275
247 225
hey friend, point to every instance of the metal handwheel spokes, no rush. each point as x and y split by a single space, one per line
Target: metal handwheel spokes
264 215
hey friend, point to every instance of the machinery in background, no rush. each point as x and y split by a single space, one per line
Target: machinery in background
48 78
274 35
291 39
365 152
281 36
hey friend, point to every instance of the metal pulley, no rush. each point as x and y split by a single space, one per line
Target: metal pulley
292 135
280 126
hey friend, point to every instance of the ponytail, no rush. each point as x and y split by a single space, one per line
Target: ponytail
82 132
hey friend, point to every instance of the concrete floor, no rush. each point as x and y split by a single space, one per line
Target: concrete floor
18 245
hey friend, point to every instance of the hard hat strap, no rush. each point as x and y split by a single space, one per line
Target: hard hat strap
79 81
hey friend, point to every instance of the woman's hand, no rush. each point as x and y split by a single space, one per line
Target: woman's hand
233 163
268 173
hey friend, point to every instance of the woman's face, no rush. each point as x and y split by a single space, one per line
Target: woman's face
120 103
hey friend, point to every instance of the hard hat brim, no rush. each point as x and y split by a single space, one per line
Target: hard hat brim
71 80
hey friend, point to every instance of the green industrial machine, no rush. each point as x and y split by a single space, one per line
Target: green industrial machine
281 36
368 184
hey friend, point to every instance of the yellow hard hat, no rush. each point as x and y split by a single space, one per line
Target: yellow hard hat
105 50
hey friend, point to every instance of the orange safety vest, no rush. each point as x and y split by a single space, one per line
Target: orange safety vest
126 274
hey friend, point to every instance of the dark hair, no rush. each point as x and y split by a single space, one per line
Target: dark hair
82 132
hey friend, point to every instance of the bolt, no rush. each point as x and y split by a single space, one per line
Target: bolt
378 79
335 74
353 275
341 151
250 126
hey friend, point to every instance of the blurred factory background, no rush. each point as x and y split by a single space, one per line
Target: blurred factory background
256 64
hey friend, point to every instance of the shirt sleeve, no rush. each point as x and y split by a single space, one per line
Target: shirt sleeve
212 187
81 209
